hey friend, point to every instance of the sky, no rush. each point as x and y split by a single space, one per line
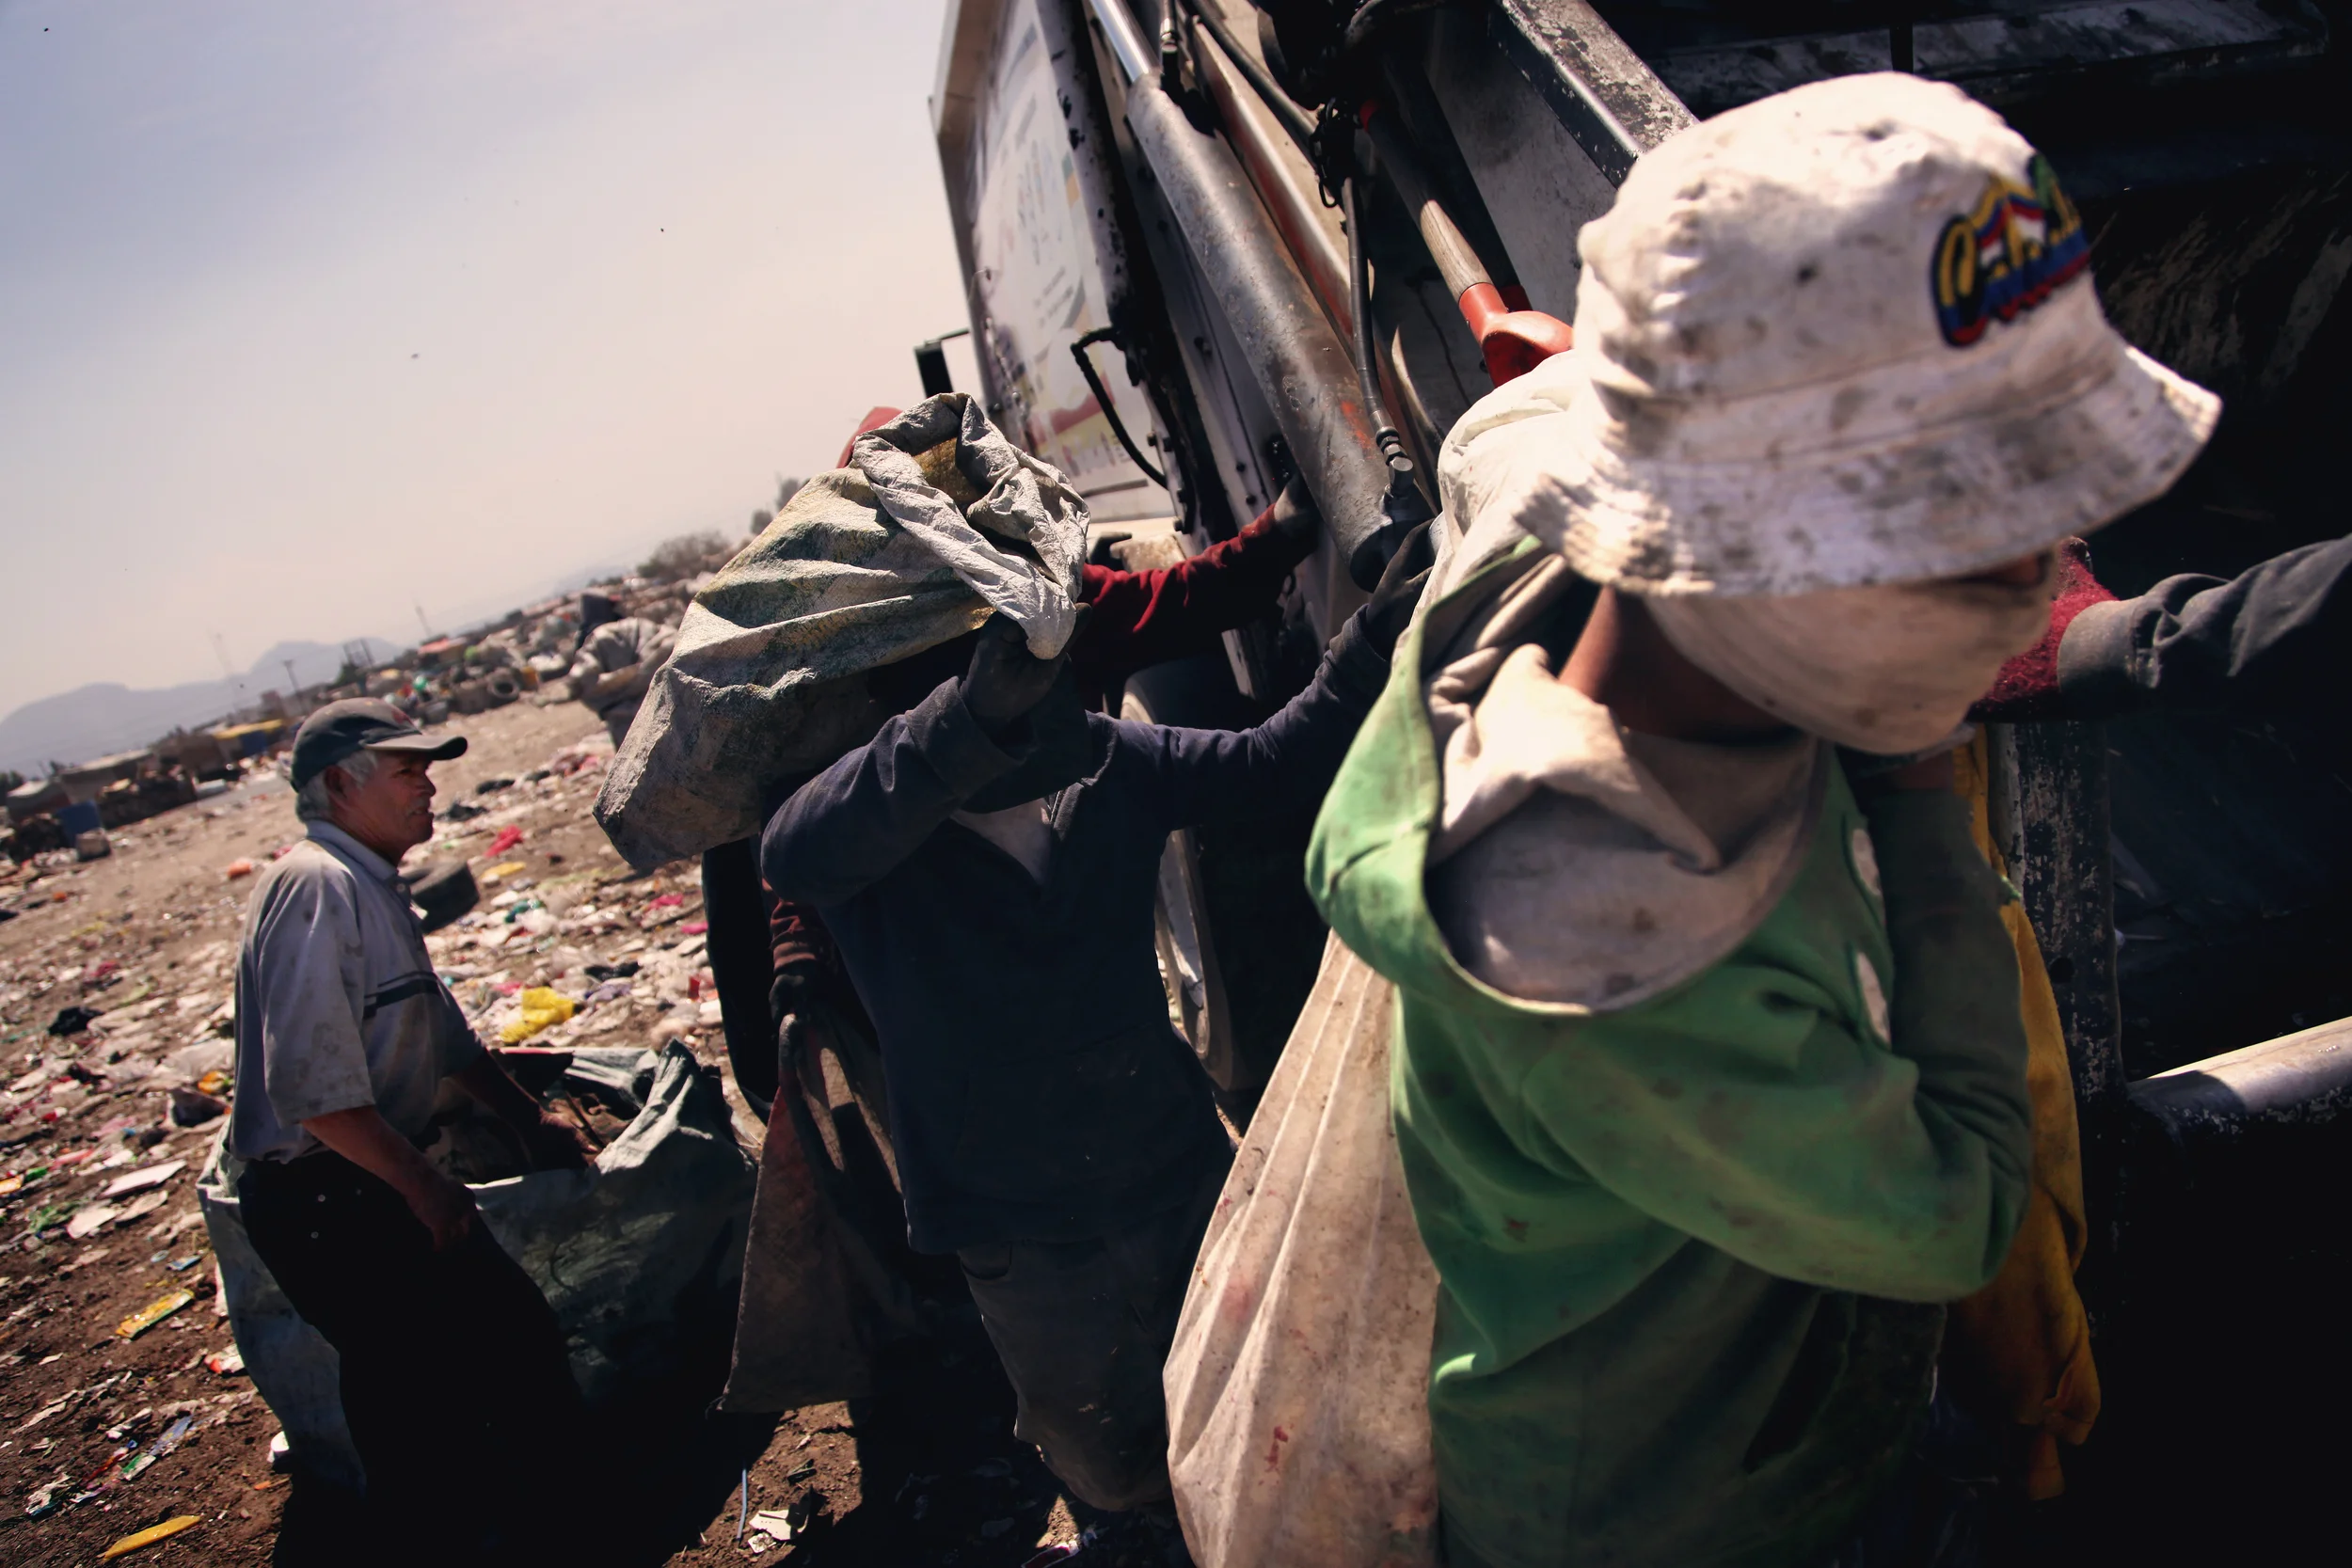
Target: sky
312 314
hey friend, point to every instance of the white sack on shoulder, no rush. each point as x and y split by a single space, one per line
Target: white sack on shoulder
1297 1404
865 566
1022 499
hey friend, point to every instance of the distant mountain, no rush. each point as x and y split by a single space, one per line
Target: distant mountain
95 720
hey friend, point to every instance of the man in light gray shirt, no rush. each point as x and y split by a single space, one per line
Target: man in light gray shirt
453 1367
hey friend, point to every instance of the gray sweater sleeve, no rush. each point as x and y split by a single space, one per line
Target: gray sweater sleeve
2278 635
1954 1008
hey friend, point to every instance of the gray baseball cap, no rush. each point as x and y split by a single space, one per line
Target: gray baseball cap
362 724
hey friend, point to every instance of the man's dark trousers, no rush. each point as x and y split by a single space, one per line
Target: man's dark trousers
1083 1329
454 1378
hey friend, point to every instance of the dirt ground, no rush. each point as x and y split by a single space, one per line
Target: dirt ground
104 1433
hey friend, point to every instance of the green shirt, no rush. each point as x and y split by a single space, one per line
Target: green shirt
1690 1251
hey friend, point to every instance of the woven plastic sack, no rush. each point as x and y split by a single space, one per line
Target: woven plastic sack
640 1257
1298 1412
937 522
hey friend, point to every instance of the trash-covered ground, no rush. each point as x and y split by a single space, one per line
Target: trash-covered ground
123 1406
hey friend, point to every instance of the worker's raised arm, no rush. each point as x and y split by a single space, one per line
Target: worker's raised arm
2276 636
1287 763
1282 766
1144 618
851 825
1790 1137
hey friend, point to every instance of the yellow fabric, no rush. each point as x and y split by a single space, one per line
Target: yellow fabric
543 1009
2021 1346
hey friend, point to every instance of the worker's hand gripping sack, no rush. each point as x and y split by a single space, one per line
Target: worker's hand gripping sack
937 523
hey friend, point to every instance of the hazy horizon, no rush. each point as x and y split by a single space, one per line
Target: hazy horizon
319 314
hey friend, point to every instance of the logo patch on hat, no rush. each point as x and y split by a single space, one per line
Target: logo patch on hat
2007 255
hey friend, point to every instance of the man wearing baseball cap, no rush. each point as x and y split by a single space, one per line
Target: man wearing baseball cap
452 1368
1709 1085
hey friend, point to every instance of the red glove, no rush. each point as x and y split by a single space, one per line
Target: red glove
2026 688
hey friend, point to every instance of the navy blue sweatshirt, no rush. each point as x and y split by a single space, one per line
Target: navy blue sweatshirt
1037 1091
2273 638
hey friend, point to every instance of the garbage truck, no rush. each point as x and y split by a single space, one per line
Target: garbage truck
1212 247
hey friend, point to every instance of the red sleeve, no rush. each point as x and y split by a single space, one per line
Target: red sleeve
1146 618
2027 685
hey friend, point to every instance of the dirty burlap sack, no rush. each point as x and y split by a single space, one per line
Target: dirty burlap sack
1297 1416
937 522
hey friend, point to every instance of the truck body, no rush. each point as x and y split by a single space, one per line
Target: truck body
1127 181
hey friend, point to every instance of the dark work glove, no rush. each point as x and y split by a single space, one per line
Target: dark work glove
1295 518
1005 680
1401 582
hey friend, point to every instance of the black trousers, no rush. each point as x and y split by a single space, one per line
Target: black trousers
1083 1329
454 1378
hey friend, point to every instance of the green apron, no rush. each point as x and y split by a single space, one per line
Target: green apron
1691 1251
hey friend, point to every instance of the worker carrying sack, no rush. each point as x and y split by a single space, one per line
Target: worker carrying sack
1298 1412
937 522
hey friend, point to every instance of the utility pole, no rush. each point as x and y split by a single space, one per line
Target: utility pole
236 682
429 632
294 683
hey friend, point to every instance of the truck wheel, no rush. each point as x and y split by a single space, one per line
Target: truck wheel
1239 941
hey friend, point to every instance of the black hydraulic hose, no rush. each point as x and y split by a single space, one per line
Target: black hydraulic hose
1293 119
1402 505
1359 285
1103 401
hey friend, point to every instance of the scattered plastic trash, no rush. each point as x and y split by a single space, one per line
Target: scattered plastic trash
109 1475
45 1501
74 1020
236 868
173 1436
507 838
542 1008
10 1184
214 1082
502 870
1060 1554
281 1453
152 1313
144 1205
43 1414
90 1220
149 1536
227 1363
775 1522
139 1180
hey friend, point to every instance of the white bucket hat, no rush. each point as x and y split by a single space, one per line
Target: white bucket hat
1840 337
